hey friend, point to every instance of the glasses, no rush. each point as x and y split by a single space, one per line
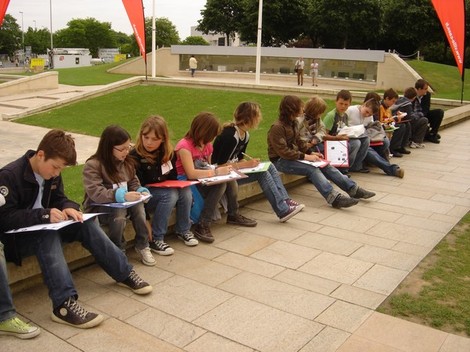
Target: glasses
125 149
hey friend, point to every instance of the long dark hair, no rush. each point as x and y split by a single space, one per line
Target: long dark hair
111 137
289 108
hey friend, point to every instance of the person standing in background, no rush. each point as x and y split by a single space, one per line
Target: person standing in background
192 65
314 72
299 65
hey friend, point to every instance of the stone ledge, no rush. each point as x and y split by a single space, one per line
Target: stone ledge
21 277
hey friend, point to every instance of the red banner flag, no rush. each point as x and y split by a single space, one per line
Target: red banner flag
3 9
451 13
135 12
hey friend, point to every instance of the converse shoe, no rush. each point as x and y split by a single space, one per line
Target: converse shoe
291 202
344 202
241 220
203 232
146 256
161 248
18 328
71 313
361 193
293 210
188 239
136 284
415 145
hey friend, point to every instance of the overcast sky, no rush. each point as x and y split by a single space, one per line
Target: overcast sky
182 13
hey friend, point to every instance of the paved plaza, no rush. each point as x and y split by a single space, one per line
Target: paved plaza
309 285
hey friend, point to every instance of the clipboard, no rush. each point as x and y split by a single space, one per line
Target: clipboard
337 153
262 167
123 204
214 180
173 184
321 164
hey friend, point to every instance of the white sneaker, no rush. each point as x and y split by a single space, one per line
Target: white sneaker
146 256
415 145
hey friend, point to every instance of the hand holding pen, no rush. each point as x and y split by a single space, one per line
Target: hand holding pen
251 162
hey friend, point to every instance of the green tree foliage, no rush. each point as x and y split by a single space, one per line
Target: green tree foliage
222 16
10 36
86 33
194 40
38 39
165 35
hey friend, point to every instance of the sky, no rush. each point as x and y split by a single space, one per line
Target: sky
182 13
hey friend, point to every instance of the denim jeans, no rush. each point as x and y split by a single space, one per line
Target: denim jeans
319 177
7 309
211 195
231 192
116 219
47 246
162 203
401 137
272 187
357 152
375 159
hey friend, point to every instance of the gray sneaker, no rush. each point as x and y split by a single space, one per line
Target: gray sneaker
71 313
344 202
188 239
136 284
361 193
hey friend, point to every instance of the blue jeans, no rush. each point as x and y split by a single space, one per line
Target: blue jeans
47 246
116 219
357 152
7 309
375 159
319 177
211 195
162 203
272 187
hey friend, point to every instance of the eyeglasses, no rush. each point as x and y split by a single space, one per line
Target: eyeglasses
125 149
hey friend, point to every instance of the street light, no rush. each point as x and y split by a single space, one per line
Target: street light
34 21
22 31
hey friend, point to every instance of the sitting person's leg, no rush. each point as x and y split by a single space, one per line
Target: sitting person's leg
360 153
183 221
233 215
115 220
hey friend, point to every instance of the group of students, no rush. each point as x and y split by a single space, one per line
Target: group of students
119 172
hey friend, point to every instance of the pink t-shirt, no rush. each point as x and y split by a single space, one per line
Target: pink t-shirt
203 156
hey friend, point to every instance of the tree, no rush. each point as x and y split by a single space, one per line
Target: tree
222 16
86 33
283 21
165 35
194 40
10 36
38 39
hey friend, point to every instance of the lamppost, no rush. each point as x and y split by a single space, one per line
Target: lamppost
34 21
22 31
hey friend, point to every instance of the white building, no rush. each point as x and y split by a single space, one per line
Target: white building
216 39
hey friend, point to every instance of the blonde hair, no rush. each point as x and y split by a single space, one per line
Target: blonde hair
157 125
314 108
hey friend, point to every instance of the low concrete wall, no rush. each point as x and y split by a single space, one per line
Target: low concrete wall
47 80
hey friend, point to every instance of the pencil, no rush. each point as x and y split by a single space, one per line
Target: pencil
247 156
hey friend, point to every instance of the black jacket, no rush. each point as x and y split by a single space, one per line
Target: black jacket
152 173
20 189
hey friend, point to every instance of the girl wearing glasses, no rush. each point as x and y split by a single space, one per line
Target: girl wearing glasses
109 176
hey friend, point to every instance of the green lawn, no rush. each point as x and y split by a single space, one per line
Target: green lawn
91 75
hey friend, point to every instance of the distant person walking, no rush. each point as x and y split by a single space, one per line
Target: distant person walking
299 66
192 65
314 72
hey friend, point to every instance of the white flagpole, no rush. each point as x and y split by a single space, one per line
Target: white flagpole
258 43
154 39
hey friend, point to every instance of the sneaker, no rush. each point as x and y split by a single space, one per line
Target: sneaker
344 202
241 220
397 154
146 256
432 138
136 284
188 239
415 145
203 232
161 248
18 328
363 194
293 210
72 313
399 173
290 202
402 150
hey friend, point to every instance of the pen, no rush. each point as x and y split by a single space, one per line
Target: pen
247 156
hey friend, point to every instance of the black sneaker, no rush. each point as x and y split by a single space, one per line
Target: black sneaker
203 233
241 220
293 210
71 313
136 284
361 193
161 248
291 202
344 202
403 150
188 239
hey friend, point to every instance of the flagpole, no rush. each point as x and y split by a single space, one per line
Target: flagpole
463 51
258 43
154 56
